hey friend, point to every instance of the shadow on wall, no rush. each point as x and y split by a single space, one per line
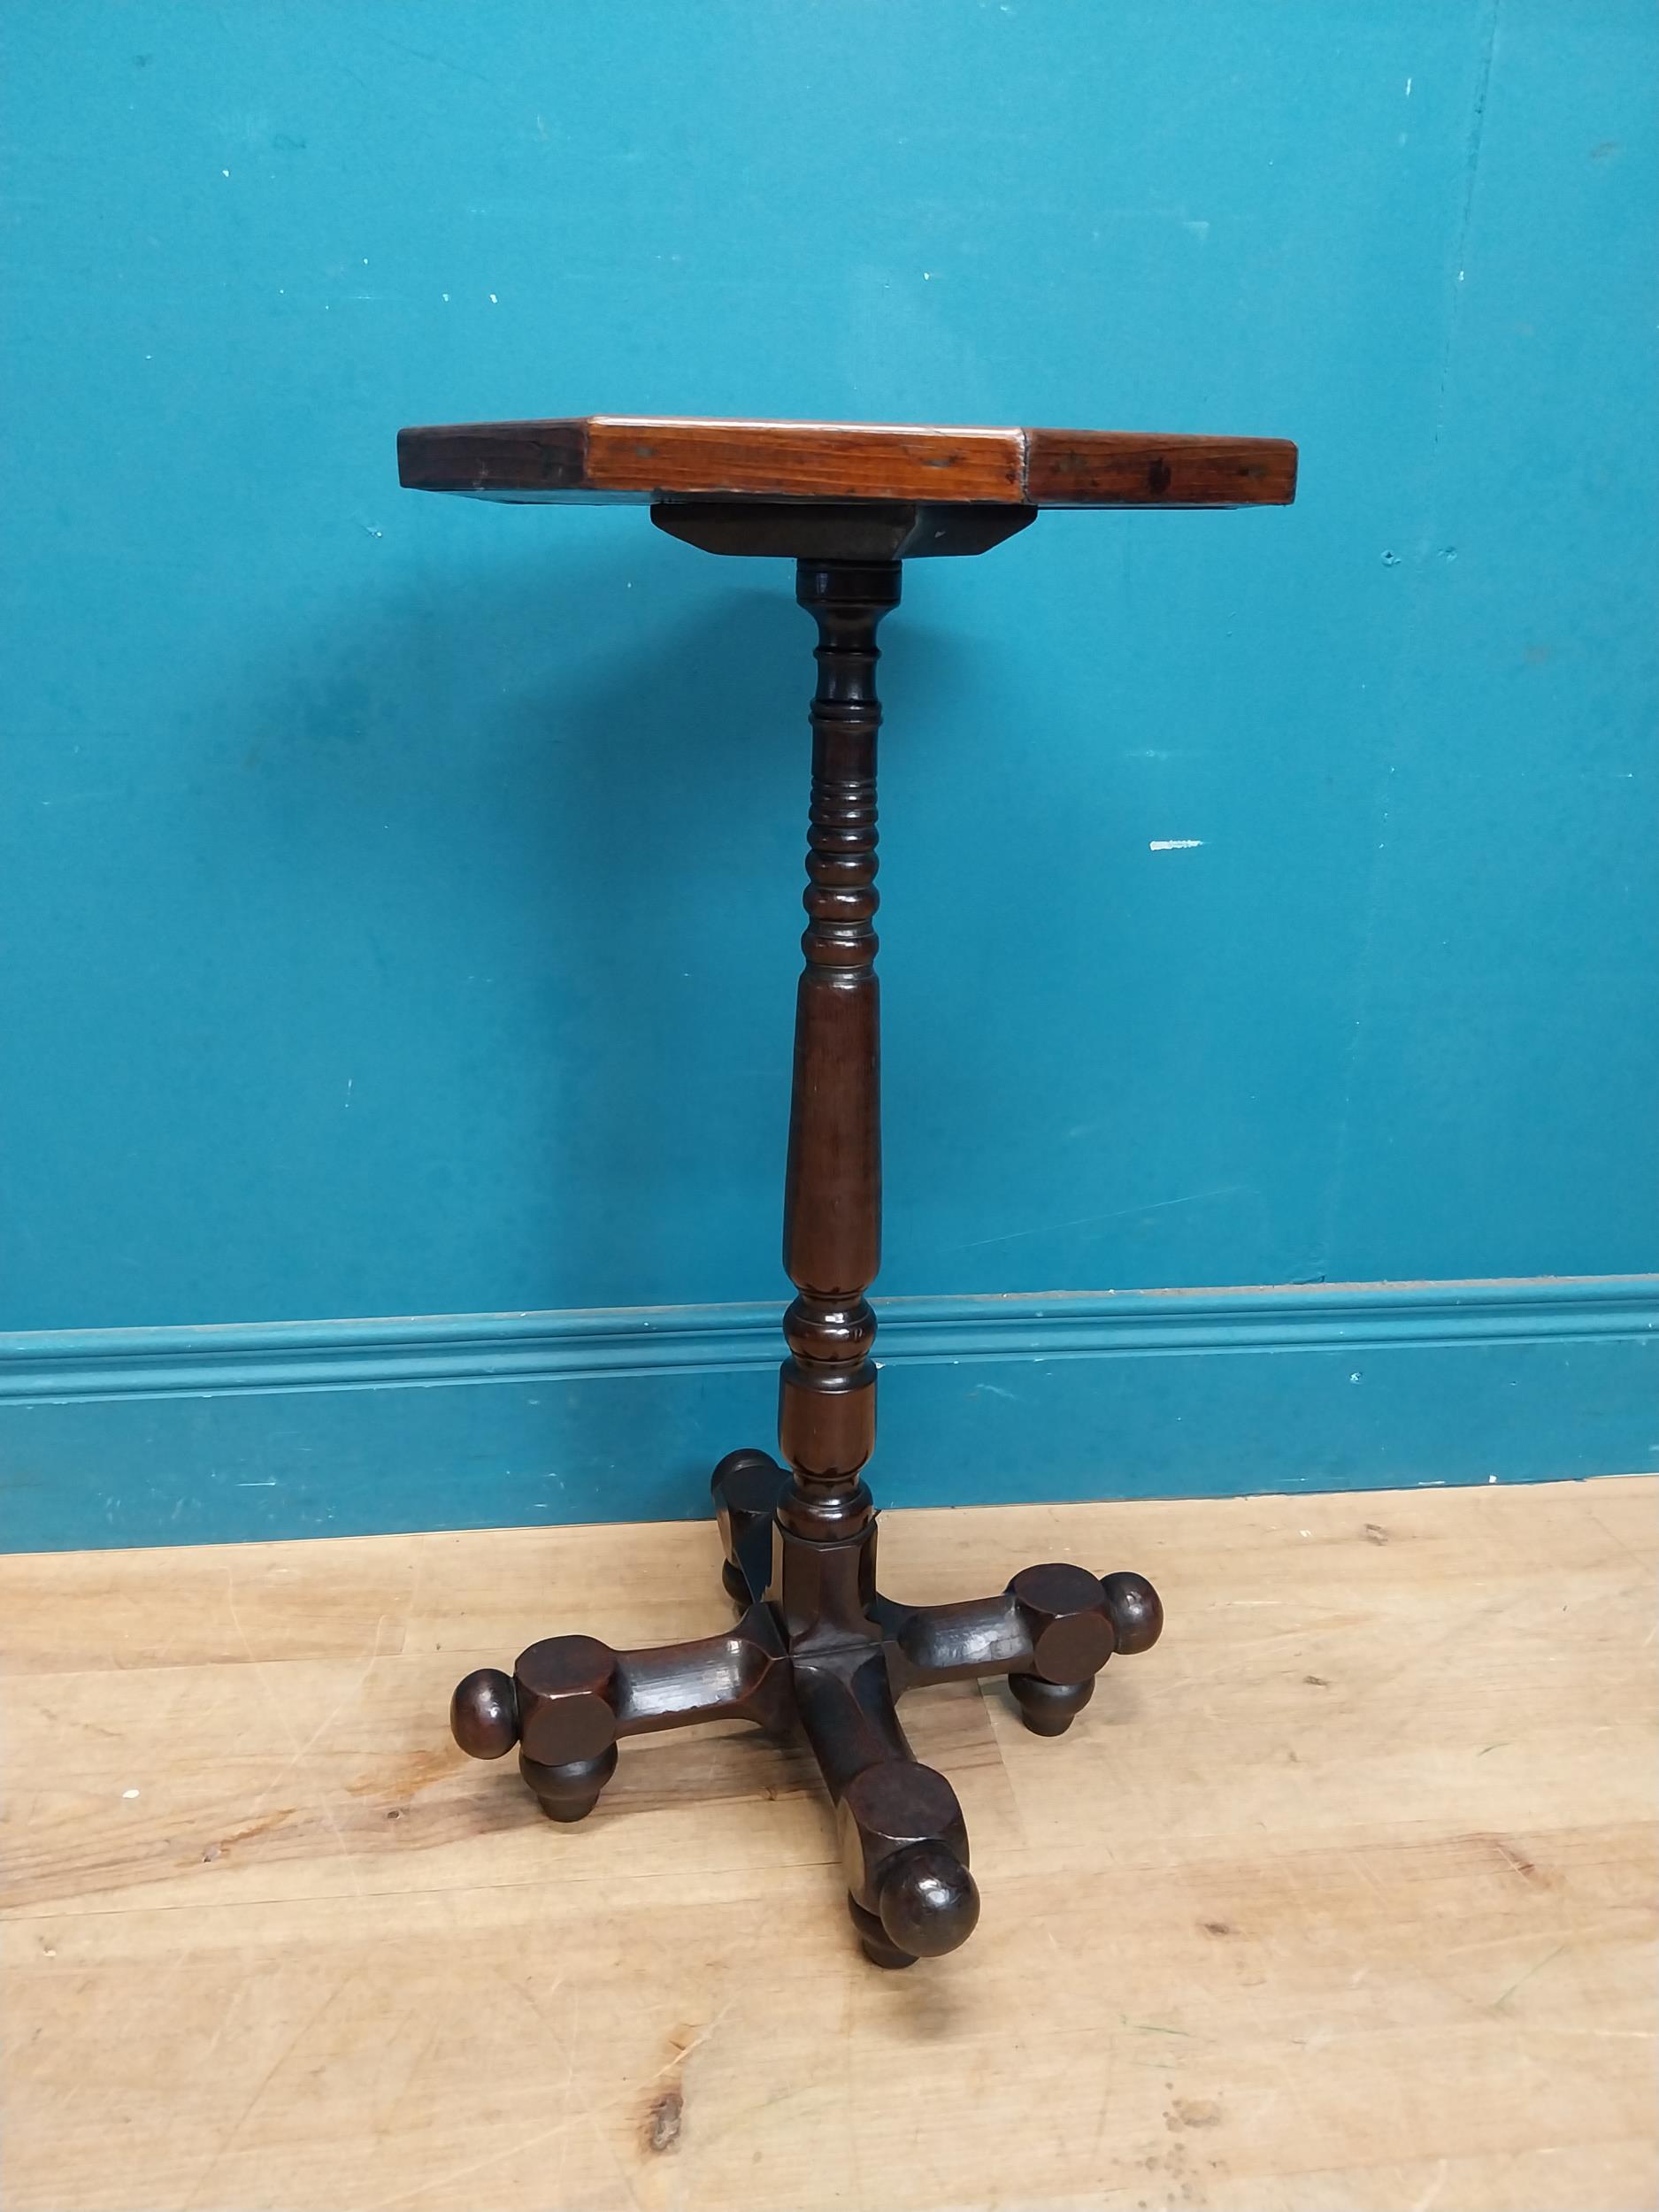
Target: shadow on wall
522 795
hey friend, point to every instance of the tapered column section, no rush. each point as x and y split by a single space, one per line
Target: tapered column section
832 1227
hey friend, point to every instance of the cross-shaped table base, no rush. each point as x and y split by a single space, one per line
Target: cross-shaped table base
818 1645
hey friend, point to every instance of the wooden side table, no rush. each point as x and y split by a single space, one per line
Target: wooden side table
816 1643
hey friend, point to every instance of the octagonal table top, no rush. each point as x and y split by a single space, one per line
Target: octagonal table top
591 459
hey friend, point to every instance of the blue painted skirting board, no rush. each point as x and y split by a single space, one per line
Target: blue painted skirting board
173 1435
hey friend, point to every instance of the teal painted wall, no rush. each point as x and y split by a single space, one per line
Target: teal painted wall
399 894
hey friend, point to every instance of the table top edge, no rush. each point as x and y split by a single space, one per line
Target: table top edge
601 458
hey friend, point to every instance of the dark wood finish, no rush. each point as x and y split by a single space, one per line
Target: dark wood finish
484 1714
832 1211
816 1644
1106 468
599 457
837 530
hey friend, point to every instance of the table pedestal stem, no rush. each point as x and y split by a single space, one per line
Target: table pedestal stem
816 1644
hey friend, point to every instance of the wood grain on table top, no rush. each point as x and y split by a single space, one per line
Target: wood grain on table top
594 458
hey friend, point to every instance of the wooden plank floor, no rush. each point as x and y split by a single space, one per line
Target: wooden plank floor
1343 1896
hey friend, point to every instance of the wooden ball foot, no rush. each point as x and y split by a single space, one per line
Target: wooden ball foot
877 1945
1049 1709
928 1902
1136 1610
484 1714
570 1790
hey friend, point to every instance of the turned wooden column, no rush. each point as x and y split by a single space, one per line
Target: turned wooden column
832 1217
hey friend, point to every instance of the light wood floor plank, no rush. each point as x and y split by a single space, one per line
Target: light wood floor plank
1344 1896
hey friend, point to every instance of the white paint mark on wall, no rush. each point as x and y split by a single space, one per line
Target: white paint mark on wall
1174 844
129 1793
